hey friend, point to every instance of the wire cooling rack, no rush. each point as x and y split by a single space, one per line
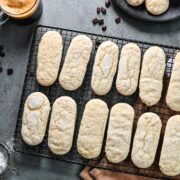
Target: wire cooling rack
84 94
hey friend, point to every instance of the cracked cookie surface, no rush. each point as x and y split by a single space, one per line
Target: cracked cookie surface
173 94
104 68
49 58
169 159
92 128
146 140
75 64
119 132
128 69
35 117
62 124
157 7
151 79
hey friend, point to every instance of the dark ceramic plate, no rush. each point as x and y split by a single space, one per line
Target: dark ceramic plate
140 12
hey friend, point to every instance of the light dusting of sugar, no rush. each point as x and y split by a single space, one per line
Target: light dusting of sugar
106 64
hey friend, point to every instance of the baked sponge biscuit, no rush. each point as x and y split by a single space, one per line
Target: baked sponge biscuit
173 94
119 132
49 58
135 2
104 68
152 72
169 159
157 7
35 118
128 69
62 124
75 64
146 140
92 128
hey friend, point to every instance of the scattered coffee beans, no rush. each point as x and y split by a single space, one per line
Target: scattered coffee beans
10 72
95 21
98 10
107 3
101 21
104 28
118 20
103 10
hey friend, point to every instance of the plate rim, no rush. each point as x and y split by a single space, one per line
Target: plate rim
143 19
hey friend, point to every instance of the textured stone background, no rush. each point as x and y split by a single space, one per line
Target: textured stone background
70 14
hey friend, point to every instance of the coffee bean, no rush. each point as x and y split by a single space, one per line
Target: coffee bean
107 3
10 71
118 20
98 10
104 28
95 21
103 10
98 42
101 21
2 53
1 69
1 47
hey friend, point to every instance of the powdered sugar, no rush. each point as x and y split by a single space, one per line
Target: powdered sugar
3 162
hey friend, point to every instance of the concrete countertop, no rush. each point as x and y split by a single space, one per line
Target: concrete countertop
77 15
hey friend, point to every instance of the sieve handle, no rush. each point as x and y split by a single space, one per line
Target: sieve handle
3 17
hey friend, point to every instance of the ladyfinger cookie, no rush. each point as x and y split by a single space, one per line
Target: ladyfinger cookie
49 58
128 69
104 68
169 159
62 123
173 94
151 79
35 118
75 64
119 132
146 140
92 127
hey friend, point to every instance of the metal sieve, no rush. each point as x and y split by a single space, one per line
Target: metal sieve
3 17
6 159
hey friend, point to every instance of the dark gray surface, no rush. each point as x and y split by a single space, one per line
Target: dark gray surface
72 14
